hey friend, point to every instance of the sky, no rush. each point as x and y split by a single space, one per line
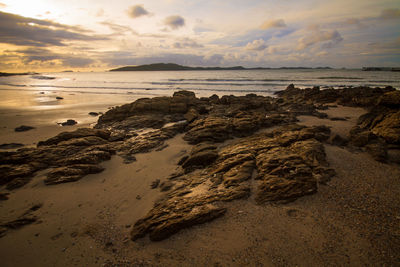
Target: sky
96 35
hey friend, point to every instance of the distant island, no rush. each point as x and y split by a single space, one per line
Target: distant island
380 69
176 67
6 74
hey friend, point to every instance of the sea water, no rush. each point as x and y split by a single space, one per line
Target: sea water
118 87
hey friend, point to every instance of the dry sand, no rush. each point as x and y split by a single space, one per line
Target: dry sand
354 220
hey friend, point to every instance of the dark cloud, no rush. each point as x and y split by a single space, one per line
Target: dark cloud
137 11
327 38
31 55
19 30
174 22
187 43
390 13
118 29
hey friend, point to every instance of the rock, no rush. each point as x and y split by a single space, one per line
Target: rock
19 223
11 146
279 189
84 141
359 137
12 172
184 93
155 184
210 129
94 114
70 173
23 128
199 160
389 128
191 115
175 223
4 196
338 119
87 157
68 123
59 98
390 99
165 186
79 133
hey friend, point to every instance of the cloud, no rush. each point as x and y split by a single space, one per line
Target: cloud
18 30
257 45
390 13
328 39
174 22
277 23
123 58
31 55
2 5
137 11
118 29
187 43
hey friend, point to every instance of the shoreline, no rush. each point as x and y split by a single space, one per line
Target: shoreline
214 162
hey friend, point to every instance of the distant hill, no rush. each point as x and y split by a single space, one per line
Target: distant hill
6 74
175 67
170 66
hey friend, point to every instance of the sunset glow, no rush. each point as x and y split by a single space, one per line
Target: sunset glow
98 35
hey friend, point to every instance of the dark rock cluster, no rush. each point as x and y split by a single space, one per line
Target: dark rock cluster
280 165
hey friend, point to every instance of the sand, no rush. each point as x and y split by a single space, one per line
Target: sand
354 220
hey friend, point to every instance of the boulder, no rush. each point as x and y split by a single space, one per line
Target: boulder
79 133
71 173
23 128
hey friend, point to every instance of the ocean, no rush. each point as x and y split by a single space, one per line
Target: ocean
121 87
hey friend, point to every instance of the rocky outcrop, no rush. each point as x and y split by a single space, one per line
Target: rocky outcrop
286 164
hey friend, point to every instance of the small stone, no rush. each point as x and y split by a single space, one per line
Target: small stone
23 128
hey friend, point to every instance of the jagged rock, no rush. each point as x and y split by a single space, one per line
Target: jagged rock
389 128
84 141
11 146
19 223
165 186
174 223
23 128
279 189
71 173
200 160
191 115
155 184
11 172
210 129
359 137
69 122
390 99
79 133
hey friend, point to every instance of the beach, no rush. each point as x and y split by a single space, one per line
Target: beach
214 202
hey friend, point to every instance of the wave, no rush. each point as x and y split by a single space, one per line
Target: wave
237 80
42 77
225 84
339 78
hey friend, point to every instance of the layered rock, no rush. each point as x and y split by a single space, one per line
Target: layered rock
287 164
